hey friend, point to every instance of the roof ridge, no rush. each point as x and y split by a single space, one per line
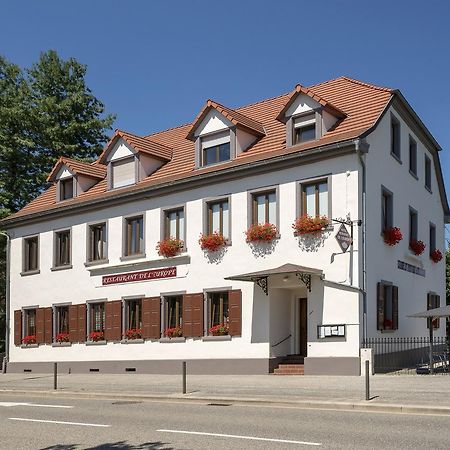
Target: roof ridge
168 129
363 83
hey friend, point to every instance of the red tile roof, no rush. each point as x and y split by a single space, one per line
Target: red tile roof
362 104
78 167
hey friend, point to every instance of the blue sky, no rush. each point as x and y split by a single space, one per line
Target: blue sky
154 63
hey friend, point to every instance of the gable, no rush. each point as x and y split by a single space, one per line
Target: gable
64 172
213 122
121 149
303 103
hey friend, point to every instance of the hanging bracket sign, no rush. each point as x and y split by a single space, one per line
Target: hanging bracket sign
343 238
146 275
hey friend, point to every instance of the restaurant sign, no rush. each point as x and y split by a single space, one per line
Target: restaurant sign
146 275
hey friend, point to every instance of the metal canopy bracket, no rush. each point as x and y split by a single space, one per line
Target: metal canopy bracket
305 278
262 283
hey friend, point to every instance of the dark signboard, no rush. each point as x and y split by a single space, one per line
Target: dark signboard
343 237
146 275
402 265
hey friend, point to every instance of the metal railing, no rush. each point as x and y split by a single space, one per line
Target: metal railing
408 354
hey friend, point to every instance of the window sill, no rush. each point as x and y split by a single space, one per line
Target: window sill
387 331
132 257
61 344
132 341
226 337
414 175
30 272
396 158
95 342
29 346
56 268
96 263
167 340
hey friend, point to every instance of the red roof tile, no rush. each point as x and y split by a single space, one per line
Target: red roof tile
78 167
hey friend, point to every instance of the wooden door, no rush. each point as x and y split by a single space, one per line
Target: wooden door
303 328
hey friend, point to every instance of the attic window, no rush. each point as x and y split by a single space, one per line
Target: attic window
215 148
304 128
66 188
123 172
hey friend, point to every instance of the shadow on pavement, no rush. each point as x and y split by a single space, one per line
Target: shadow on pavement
121 445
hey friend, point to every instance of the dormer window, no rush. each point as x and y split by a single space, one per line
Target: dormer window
216 149
123 172
66 188
304 128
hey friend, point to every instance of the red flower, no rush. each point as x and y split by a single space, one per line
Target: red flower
261 232
97 336
31 339
169 247
307 224
173 332
392 236
387 323
219 330
417 247
133 333
212 242
62 337
436 255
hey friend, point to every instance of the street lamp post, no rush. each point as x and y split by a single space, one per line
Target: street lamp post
7 313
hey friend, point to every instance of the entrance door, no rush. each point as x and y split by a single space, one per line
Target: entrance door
303 327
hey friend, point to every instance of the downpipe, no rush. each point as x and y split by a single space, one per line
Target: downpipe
8 306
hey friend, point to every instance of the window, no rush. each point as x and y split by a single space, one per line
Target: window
427 173
264 207
315 198
174 224
304 128
61 319
433 301
134 236
216 153
62 250
412 156
218 216
29 328
387 209
173 308
123 172
387 306
66 189
218 308
133 314
31 254
96 317
97 242
395 138
413 224
432 237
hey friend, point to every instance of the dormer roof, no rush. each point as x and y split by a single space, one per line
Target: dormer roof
139 144
78 167
298 90
235 117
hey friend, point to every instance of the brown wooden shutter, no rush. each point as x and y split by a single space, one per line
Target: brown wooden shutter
18 327
48 325
193 315
73 323
380 306
40 326
433 301
429 306
81 313
437 304
235 312
151 318
395 307
113 320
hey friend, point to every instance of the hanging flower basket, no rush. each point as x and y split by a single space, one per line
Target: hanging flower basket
417 247
169 247
436 255
261 232
173 332
219 330
308 225
392 236
31 339
133 333
97 336
62 337
212 242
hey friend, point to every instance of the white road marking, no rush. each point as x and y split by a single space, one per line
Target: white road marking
81 424
36 405
252 438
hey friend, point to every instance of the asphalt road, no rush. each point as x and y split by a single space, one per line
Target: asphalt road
71 424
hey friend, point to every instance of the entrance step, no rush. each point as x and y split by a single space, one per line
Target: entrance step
289 369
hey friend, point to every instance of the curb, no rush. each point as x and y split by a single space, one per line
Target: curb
300 404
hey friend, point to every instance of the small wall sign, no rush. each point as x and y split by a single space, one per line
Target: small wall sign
343 237
146 275
402 265
329 331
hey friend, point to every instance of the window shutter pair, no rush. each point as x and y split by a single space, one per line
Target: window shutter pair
44 325
113 320
381 304
18 327
433 301
151 318
77 323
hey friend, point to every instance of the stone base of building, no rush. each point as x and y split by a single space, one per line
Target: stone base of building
332 366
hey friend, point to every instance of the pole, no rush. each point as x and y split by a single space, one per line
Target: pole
7 313
367 381
55 376
184 377
431 346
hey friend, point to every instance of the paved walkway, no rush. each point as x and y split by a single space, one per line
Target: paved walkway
406 390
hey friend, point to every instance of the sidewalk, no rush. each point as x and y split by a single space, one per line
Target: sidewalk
427 393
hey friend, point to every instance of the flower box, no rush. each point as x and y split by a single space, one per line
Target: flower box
169 247
261 232
310 225
392 236
28 340
62 337
219 330
417 247
133 333
97 336
212 242
173 332
436 255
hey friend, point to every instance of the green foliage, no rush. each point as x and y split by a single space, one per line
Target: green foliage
447 274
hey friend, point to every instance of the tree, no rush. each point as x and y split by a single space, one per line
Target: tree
447 274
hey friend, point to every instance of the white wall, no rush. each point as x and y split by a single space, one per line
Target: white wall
213 121
121 149
301 104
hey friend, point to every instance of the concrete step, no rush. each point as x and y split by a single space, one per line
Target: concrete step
289 369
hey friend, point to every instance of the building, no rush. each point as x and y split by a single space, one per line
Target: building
90 290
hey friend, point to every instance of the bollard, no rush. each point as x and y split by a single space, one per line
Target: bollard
184 377
367 380
55 376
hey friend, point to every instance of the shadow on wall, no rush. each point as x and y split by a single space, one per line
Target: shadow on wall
313 242
260 316
315 309
121 445
215 257
262 249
